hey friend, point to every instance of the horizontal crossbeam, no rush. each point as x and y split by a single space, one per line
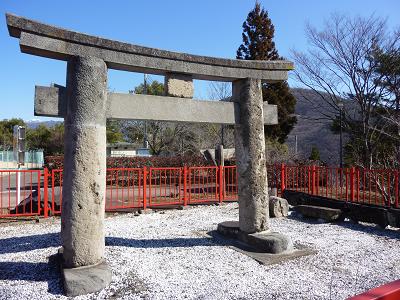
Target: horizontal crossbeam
51 102
53 42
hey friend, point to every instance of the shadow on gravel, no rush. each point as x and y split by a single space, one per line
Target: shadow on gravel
29 243
159 243
29 271
366 228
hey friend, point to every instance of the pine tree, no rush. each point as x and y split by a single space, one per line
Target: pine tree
258 44
314 155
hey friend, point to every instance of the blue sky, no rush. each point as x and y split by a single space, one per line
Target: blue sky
206 27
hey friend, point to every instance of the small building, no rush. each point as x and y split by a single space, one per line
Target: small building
123 149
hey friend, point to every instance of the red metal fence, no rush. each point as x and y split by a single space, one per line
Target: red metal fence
19 191
30 192
375 187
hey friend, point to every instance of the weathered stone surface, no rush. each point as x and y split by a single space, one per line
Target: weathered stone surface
178 85
272 191
266 242
229 228
49 41
51 101
370 214
354 211
82 227
85 280
278 207
299 198
319 212
250 156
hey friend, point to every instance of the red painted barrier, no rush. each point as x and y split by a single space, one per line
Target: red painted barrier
124 188
128 188
390 291
229 186
165 187
203 184
56 191
376 187
20 192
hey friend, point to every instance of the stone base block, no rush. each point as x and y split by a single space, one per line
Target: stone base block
86 280
266 242
229 228
319 212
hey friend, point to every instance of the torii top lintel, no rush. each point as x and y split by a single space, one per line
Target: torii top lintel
53 42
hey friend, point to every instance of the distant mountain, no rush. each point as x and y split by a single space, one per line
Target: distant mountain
33 124
312 128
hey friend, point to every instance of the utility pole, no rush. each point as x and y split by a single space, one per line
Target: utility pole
340 104
222 135
295 144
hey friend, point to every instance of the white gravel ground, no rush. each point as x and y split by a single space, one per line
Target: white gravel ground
166 256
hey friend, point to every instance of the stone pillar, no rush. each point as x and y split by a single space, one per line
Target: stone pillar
250 156
82 226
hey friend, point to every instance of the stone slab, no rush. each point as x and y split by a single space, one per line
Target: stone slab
54 42
50 101
271 259
86 280
261 257
362 212
370 214
266 242
319 212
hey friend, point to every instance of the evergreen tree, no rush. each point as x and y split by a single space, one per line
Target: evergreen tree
258 44
113 132
314 155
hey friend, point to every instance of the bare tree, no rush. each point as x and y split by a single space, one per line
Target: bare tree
340 67
221 134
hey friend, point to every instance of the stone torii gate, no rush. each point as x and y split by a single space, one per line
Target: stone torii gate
85 106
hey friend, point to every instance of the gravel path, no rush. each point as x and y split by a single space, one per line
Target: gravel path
165 255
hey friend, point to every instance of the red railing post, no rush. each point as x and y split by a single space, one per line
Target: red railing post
221 183
352 173
46 192
313 183
185 200
145 188
283 178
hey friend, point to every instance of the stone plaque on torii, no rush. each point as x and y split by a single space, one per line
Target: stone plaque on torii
85 106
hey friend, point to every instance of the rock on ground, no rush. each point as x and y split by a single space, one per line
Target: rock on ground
278 207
